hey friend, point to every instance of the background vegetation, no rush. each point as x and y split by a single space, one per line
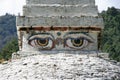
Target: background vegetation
110 35
8 36
7 29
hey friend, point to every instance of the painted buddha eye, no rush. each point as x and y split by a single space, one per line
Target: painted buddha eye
77 43
77 40
42 43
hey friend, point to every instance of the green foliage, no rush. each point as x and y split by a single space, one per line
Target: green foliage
8 49
7 29
8 36
111 34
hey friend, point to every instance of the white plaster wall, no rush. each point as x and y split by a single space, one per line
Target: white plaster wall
91 46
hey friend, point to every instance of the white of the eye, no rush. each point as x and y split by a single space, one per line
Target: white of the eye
49 44
33 43
68 42
85 43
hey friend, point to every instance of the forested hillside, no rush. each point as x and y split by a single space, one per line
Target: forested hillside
7 29
8 36
110 35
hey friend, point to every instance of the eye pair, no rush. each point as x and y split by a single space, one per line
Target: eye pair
48 43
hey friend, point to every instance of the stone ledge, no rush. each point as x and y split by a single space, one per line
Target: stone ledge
21 54
64 2
60 21
60 10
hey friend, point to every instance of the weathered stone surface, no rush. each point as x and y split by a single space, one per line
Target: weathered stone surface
60 21
60 66
48 10
62 2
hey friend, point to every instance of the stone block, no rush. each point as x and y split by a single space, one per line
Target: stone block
60 10
60 21
63 2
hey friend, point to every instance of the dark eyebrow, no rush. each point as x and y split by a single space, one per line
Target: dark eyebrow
85 33
43 33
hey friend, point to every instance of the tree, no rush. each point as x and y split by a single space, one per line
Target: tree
7 29
9 48
111 38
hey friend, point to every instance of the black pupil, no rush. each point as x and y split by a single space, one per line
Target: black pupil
42 41
77 41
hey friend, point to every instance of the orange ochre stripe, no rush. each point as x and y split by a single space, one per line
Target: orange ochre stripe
59 28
